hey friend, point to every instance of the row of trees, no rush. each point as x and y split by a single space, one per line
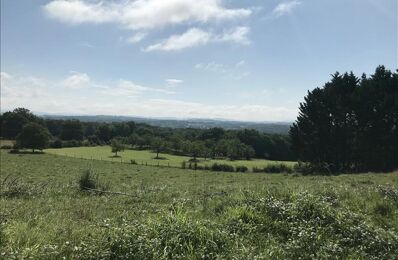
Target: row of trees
207 143
350 124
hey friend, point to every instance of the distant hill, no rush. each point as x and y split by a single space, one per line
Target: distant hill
266 127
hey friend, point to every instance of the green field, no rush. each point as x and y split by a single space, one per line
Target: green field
169 213
146 157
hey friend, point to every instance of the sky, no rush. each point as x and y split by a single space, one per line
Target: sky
223 59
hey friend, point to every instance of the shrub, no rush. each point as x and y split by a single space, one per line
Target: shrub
256 169
312 168
56 144
277 168
133 161
86 143
383 208
241 168
90 181
183 165
222 167
71 143
6 147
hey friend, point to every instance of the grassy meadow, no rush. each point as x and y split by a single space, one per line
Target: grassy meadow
147 157
169 213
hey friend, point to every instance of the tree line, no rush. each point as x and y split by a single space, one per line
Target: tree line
350 124
205 143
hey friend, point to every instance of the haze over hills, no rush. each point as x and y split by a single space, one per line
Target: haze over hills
266 127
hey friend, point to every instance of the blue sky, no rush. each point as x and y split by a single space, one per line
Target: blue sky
238 60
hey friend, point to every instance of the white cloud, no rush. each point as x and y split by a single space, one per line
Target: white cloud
238 35
230 72
197 37
126 88
4 75
285 8
142 14
191 38
137 37
124 97
171 83
76 80
212 66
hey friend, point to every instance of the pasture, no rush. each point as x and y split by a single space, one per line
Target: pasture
170 213
147 157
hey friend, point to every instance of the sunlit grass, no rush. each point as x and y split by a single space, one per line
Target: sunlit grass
175 213
147 157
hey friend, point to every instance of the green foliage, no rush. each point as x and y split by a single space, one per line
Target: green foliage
158 145
222 167
145 156
88 181
14 187
12 122
277 168
57 143
72 130
350 123
241 168
33 136
206 143
117 145
170 213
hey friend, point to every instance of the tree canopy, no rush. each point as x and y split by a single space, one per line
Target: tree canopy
33 136
350 124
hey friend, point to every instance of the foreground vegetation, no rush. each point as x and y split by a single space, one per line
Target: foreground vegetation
164 213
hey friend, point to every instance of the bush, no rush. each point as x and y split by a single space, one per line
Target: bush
222 167
71 143
90 181
6 147
56 144
277 168
86 143
256 169
133 162
312 168
183 165
241 168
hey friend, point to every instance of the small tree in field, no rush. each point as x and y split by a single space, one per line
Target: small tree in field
33 136
117 146
158 145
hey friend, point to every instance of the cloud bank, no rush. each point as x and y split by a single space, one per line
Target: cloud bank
142 14
122 97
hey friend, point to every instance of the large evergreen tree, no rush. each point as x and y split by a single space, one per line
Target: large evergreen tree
350 123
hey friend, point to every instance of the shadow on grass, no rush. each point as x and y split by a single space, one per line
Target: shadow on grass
159 158
25 152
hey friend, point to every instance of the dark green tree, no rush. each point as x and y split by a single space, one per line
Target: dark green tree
72 130
13 121
117 145
350 124
158 145
33 136
104 133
